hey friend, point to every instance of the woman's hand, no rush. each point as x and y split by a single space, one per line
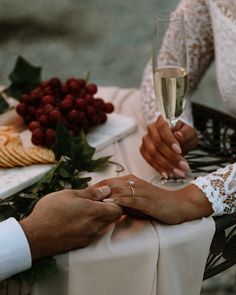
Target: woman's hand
162 147
186 136
171 207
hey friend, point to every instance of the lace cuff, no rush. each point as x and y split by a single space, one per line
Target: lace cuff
220 189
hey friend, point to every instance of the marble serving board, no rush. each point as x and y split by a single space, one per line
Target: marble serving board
13 180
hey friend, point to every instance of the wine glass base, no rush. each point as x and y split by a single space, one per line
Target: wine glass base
172 183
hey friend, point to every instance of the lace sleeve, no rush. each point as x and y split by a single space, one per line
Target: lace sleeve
220 189
200 49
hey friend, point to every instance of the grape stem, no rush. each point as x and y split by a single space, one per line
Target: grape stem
120 168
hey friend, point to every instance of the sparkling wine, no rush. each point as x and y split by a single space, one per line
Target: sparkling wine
171 88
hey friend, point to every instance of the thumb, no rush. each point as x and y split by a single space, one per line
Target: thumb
95 194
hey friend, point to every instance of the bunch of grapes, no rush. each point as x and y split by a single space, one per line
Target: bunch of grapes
73 103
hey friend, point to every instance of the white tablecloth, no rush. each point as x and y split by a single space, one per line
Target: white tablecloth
134 257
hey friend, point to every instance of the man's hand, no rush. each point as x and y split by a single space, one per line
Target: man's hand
68 219
162 147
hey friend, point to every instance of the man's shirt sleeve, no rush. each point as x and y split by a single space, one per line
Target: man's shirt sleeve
15 255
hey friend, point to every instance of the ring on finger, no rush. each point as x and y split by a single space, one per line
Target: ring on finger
131 187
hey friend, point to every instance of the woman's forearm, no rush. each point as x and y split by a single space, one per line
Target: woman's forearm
193 203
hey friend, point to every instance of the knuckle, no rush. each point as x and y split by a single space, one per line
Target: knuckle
145 139
149 128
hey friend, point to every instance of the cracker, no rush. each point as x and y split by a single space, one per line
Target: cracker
14 156
5 160
19 150
41 155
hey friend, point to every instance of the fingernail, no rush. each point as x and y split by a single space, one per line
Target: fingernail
109 200
176 148
105 190
164 175
184 165
179 173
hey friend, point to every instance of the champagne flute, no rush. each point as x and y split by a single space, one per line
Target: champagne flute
170 75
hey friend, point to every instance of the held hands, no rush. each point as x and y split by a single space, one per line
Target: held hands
68 219
162 147
171 207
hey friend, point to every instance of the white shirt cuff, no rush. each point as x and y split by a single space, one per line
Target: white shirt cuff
15 255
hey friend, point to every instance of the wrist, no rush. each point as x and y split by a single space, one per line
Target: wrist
193 203
33 236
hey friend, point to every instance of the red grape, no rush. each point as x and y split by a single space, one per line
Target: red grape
90 112
66 105
34 125
81 103
91 88
45 83
81 83
31 111
69 97
55 83
73 85
109 107
21 109
73 115
55 116
48 108
38 112
38 91
33 99
43 119
64 89
48 99
50 136
48 90
37 136
89 99
24 98
102 118
99 104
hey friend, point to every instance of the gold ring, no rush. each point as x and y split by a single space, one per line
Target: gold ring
131 184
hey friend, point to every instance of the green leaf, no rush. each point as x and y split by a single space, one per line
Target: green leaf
41 269
47 178
62 145
97 164
7 210
3 104
81 152
24 78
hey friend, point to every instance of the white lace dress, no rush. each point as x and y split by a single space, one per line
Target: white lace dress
211 27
